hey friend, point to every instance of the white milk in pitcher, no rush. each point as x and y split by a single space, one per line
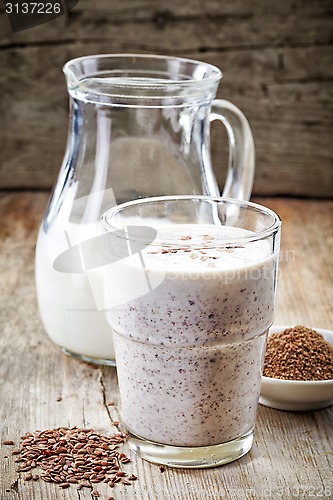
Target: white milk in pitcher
71 303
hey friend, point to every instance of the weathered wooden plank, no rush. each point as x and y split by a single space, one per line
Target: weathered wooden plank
189 25
276 59
285 93
292 451
306 262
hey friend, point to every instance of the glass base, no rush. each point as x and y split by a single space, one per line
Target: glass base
192 458
87 359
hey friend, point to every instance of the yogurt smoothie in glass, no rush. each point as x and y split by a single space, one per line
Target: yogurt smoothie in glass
190 321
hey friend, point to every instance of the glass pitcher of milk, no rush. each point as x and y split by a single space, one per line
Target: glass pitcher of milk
139 127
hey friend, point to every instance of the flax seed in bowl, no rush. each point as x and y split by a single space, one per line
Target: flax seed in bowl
297 373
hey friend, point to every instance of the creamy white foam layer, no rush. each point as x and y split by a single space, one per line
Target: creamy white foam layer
204 247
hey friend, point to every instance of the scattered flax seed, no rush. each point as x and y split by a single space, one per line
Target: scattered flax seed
85 484
111 403
64 485
59 398
186 238
72 456
8 442
298 353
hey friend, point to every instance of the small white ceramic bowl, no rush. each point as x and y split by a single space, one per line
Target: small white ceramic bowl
297 395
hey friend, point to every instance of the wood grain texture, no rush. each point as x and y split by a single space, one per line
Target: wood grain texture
276 59
291 450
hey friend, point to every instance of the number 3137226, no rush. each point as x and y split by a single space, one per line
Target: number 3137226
305 491
33 8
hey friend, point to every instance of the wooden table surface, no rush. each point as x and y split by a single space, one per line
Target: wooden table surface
292 454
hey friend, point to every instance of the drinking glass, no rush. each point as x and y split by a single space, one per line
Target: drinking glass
190 297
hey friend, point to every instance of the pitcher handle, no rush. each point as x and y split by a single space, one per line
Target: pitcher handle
239 180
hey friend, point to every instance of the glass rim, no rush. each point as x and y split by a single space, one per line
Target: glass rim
214 77
258 235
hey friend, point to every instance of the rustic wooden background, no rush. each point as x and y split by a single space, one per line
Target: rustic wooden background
277 62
